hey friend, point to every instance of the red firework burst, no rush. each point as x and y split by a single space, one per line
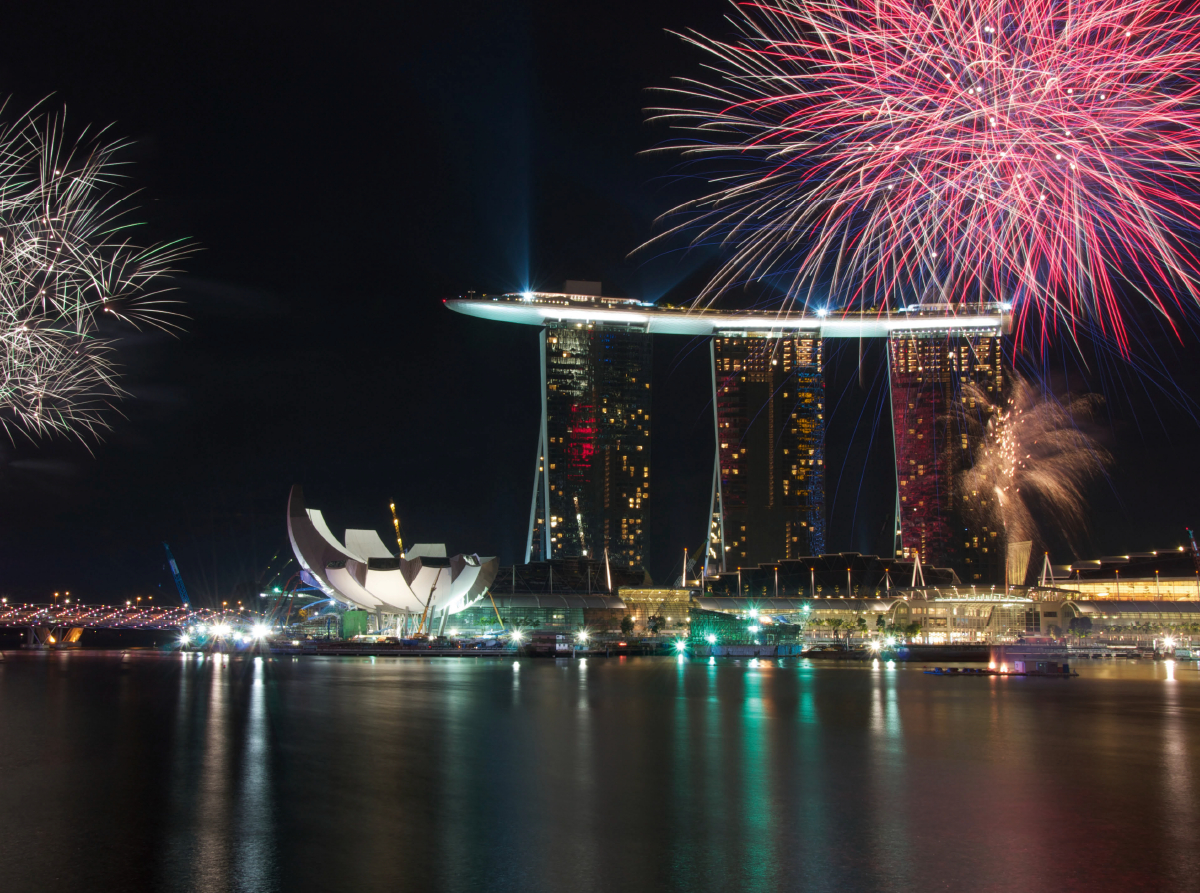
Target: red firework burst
1038 152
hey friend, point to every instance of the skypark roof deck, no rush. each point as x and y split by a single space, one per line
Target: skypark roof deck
549 308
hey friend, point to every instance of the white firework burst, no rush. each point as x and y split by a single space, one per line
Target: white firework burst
66 263
1032 461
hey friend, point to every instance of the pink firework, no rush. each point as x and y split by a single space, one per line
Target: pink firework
885 152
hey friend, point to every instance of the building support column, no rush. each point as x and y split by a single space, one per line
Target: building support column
716 505
897 534
546 556
541 474
537 480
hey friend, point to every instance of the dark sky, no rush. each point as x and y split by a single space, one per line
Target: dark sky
344 168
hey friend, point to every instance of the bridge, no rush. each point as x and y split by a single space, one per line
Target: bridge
46 623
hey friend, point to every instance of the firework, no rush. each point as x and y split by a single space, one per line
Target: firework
66 266
1029 458
881 152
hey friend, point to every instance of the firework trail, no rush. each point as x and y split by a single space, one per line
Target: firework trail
1028 458
1038 152
66 264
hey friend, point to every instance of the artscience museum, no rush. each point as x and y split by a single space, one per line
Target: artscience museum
362 572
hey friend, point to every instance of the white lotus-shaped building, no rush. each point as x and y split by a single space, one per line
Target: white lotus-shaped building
364 573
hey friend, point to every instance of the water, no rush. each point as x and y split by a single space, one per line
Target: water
160 772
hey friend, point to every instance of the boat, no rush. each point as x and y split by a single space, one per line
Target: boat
1050 668
834 652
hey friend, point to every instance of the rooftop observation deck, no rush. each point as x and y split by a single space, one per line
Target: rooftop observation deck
549 308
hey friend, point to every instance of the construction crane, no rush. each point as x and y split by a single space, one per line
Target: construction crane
396 524
1194 549
183 596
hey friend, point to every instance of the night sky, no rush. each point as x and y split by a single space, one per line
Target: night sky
345 167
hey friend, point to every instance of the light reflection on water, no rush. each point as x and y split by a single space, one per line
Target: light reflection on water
225 773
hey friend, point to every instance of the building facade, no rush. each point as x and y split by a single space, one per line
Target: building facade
768 412
769 479
943 387
594 445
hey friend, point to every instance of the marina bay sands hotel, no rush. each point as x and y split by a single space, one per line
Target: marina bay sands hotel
592 483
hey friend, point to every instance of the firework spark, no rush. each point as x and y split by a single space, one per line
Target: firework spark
66 264
1038 152
1030 458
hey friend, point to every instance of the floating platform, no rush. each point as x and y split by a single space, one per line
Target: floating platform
1056 671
